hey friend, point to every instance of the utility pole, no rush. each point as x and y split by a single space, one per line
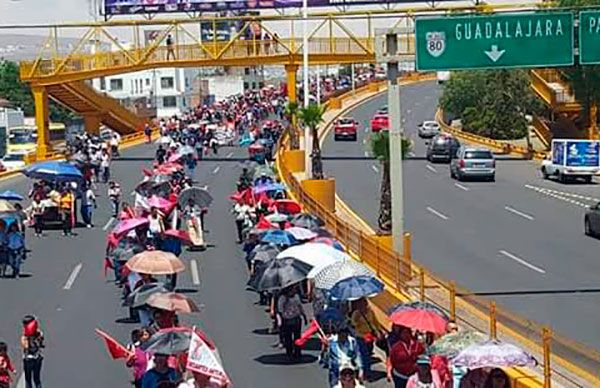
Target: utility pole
392 58
306 89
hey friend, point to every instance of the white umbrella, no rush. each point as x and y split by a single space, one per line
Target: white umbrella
302 233
327 277
164 140
317 255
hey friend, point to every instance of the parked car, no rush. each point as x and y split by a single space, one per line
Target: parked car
473 162
442 148
13 161
345 128
383 110
428 129
591 220
380 122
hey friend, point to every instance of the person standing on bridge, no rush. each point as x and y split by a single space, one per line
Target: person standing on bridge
170 49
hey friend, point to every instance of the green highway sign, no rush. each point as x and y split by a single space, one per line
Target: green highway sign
589 37
494 41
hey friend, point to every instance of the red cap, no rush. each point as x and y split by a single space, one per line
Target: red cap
31 328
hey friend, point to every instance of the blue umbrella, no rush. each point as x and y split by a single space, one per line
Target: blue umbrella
356 287
54 171
269 187
278 237
10 195
331 315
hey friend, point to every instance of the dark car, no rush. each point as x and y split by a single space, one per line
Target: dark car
591 221
442 148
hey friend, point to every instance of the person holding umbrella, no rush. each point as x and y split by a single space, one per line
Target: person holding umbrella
367 328
401 363
289 306
425 376
342 347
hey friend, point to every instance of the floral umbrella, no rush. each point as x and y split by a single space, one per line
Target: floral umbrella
452 344
494 353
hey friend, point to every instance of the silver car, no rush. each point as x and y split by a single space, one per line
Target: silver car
473 162
428 129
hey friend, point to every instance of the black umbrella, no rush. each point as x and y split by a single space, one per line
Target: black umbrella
173 341
322 232
307 221
201 197
279 273
264 253
125 253
139 297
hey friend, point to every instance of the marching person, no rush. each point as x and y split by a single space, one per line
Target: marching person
15 244
114 195
7 370
88 203
66 209
32 343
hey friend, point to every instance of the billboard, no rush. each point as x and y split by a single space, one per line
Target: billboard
124 7
582 154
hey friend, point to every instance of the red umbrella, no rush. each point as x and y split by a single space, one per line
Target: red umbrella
179 234
125 226
287 206
264 224
420 319
161 204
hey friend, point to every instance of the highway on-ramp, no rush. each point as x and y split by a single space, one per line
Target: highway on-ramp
66 289
520 233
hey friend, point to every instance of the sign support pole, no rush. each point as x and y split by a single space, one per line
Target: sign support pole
306 90
395 132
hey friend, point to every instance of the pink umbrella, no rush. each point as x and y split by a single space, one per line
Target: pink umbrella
180 235
161 204
125 226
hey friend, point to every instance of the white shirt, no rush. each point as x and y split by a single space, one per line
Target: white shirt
155 225
105 161
89 198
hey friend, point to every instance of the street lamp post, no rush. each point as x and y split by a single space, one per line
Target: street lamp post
387 51
306 88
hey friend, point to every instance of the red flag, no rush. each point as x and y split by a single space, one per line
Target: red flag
308 333
115 349
107 265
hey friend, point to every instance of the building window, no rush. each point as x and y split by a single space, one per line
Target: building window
167 82
147 81
170 102
187 82
116 84
102 83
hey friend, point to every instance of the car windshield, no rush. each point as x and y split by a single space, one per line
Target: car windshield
478 155
346 122
430 124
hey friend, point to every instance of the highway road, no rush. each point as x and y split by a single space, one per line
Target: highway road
519 233
67 290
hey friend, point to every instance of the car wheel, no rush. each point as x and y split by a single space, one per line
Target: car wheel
336 137
493 178
587 179
459 176
588 227
452 175
354 138
544 173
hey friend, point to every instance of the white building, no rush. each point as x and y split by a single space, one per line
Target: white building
169 90
9 118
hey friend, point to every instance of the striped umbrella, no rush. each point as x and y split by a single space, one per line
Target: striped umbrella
335 272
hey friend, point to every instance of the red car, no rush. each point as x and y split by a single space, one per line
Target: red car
380 121
345 128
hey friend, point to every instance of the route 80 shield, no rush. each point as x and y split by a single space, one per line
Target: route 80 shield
436 43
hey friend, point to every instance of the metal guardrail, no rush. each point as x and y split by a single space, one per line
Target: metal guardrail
406 277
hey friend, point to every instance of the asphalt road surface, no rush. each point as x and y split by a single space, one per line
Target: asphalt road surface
519 233
66 289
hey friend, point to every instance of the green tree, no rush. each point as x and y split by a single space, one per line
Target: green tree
491 103
584 79
311 117
380 148
291 113
19 94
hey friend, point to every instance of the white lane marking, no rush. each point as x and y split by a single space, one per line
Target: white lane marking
551 193
437 213
521 214
464 188
411 154
374 168
216 170
21 381
430 168
562 193
195 275
229 155
366 154
72 277
109 223
522 262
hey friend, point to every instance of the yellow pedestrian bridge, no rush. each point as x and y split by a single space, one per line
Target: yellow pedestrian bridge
333 39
